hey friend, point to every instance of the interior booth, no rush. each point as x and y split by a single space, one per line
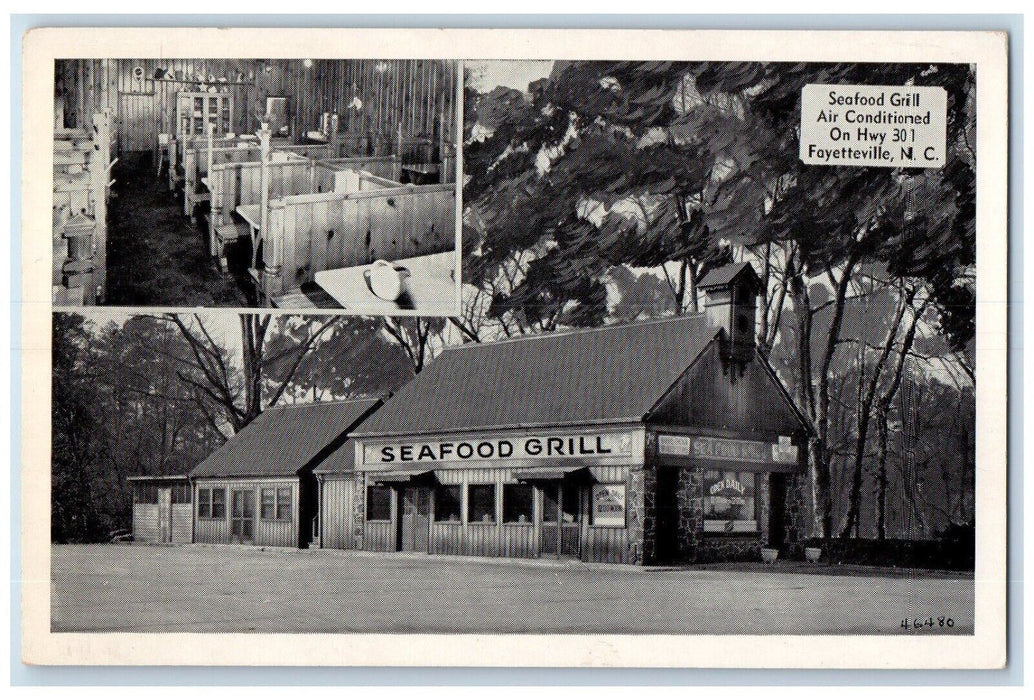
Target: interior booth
656 442
161 509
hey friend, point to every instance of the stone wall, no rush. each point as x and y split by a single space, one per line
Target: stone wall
690 500
796 518
641 488
358 510
729 548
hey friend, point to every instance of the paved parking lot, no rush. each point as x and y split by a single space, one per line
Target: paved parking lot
139 588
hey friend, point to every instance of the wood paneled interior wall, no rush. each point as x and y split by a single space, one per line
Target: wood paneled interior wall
419 95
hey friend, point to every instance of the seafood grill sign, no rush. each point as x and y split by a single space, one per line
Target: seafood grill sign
728 450
534 447
890 126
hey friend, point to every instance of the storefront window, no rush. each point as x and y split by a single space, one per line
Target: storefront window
447 504
730 502
517 503
378 503
481 503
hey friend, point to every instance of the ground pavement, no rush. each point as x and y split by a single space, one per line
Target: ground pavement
140 588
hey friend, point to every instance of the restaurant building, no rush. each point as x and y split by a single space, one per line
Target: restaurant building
655 442
258 488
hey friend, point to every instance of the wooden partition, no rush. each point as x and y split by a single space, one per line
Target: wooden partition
232 184
310 233
196 166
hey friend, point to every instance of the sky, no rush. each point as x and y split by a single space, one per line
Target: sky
487 75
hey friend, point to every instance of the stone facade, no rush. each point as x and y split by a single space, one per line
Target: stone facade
641 490
796 518
690 500
358 510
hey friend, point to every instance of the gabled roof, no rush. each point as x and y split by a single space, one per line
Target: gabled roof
604 375
285 440
721 276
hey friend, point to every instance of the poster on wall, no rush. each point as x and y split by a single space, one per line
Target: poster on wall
608 505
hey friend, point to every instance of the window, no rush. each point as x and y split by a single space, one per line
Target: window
283 503
378 503
608 505
146 493
481 503
268 507
275 503
730 504
181 493
211 503
517 503
218 503
447 504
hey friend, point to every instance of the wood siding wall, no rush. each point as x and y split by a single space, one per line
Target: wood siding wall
327 232
272 533
337 513
598 544
707 397
418 95
145 522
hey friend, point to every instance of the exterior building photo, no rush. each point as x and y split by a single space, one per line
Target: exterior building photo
258 488
655 442
663 441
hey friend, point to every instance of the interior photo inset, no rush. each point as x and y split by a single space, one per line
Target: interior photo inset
302 184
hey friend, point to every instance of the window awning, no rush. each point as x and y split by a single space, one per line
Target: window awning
400 477
553 474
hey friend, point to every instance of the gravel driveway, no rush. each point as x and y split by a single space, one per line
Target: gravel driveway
139 588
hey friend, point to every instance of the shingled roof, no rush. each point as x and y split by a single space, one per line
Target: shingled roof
721 276
604 375
285 440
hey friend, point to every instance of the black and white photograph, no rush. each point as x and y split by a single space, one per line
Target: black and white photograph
710 371
297 184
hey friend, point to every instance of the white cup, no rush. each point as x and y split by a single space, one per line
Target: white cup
385 280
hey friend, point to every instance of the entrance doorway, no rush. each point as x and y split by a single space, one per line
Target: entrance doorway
414 519
242 516
560 519
667 523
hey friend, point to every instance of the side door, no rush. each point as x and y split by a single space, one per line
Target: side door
242 515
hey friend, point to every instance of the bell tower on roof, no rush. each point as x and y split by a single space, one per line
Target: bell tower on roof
731 302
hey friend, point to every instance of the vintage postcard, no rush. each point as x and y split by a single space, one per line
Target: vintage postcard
515 348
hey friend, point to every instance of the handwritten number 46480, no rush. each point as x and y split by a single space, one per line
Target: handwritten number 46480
929 623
